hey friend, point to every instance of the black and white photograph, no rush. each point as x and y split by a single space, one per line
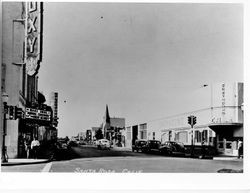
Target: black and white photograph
122 87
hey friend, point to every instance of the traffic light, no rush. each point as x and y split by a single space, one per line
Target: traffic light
11 112
194 120
189 120
18 113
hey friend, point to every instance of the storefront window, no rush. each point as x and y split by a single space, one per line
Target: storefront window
204 135
198 136
229 145
143 131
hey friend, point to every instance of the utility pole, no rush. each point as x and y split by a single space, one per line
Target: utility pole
192 122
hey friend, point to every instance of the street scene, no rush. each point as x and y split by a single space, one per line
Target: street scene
122 88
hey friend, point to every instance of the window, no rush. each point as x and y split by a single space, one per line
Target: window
129 133
169 135
183 137
23 80
3 77
143 134
204 135
176 136
143 131
197 136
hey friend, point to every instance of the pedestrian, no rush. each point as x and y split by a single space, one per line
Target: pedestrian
203 150
240 149
27 148
35 144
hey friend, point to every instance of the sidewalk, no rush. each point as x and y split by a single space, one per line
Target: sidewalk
45 155
121 148
227 158
18 161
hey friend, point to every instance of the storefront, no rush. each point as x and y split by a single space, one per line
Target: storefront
219 123
37 123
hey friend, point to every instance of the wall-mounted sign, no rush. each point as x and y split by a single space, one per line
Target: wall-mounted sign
223 99
37 114
33 35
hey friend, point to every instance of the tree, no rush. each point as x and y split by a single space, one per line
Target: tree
66 139
98 134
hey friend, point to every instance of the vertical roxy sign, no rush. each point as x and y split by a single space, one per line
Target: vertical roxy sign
33 37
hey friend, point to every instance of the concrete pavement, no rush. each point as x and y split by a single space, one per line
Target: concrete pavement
46 154
150 164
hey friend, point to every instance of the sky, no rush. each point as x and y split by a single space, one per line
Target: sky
145 61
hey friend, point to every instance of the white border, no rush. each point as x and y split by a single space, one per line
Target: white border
136 182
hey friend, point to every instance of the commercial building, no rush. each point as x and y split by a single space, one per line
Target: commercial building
22 37
219 118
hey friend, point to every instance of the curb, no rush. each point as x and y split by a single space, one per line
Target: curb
226 158
25 163
121 149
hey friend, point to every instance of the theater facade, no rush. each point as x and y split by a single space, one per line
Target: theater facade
22 49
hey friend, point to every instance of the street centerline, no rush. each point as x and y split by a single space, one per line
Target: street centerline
47 167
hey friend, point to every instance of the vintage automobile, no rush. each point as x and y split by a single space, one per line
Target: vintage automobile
172 148
151 146
103 144
138 145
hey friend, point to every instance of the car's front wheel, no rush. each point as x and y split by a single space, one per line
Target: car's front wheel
165 151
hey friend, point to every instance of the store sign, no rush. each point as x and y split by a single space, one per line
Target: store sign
223 99
33 36
37 114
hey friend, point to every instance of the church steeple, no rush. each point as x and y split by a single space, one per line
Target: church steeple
106 122
106 116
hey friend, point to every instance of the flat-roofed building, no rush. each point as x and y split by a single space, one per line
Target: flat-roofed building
219 121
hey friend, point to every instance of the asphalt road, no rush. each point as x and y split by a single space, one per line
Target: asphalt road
92 160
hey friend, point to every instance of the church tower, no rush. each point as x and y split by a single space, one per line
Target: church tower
106 123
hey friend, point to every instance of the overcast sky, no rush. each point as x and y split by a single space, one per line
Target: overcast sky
143 60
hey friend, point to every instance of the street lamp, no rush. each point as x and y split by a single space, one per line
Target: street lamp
5 98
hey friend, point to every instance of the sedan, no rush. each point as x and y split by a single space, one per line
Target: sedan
172 148
103 144
151 146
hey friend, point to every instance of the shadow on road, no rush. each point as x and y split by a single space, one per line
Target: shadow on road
88 152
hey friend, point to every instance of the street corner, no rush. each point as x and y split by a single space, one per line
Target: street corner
15 162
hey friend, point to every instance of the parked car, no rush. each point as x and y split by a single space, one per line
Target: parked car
138 145
82 142
72 144
172 148
64 145
151 146
103 144
95 142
